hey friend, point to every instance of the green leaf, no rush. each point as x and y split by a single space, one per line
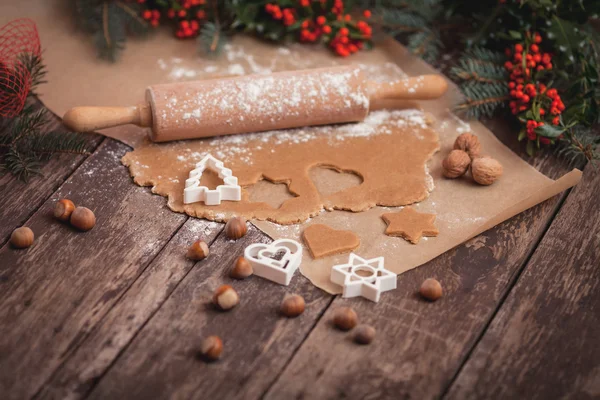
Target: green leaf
549 131
515 35
530 148
522 135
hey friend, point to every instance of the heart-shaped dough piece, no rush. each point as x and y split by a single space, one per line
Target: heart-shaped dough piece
323 241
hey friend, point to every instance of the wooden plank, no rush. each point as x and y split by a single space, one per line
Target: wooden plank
54 293
20 200
162 363
420 345
545 340
79 373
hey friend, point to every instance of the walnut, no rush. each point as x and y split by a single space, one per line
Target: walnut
469 143
485 170
456 164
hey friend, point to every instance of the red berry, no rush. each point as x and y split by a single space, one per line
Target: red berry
327 29
556 120
535 48
344 32
147 14
518 48
367 14
321 20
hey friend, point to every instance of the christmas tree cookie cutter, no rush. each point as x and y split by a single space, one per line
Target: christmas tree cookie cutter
366 278
276 261
229 190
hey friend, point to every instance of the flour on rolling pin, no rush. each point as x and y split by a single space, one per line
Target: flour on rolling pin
257 103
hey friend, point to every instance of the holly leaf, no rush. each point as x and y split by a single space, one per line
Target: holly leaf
549 131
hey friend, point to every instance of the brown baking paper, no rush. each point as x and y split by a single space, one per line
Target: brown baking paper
77 77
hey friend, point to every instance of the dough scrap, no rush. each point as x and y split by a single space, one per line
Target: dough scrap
323 240
410 224
389 151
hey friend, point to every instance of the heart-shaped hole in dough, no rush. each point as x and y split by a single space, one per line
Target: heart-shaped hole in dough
329 179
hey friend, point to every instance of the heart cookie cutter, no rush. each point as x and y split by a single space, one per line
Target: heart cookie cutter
366 278
229 190
276 261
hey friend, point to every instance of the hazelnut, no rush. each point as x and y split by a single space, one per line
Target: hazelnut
292 306
241 269
83 218
225 298
198 251
456 164
63 209
431 289
236 228
486 170
469 143
345 318
21 237
364 334
211 348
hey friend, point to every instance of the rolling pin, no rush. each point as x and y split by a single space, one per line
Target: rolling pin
255 103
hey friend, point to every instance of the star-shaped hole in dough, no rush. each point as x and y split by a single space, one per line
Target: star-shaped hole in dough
366 278
410 224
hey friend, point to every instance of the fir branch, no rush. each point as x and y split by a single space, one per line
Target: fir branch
33 63
468 69
211 39
45 145
482 99
22 166
580 145
485 56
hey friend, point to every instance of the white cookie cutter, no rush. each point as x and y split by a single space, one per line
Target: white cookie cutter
229 190
275 261
373 281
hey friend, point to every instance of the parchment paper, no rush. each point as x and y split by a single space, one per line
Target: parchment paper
463 209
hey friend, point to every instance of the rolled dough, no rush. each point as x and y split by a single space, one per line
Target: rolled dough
389 151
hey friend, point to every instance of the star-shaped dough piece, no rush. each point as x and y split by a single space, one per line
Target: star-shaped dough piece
410 224
366 278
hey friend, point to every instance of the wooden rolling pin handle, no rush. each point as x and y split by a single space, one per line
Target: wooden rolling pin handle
86 119
424 87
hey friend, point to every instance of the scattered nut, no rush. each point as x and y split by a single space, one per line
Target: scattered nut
431 289
83 219
21 237
364 334
63 209
225 298
241 269
469 143
292 306
456 164
198 251
211 348
236 228
486 170
345 318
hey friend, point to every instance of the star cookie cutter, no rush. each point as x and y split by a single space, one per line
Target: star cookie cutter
373 279
229 190
276 261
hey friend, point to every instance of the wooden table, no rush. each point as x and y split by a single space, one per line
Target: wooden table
118 312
